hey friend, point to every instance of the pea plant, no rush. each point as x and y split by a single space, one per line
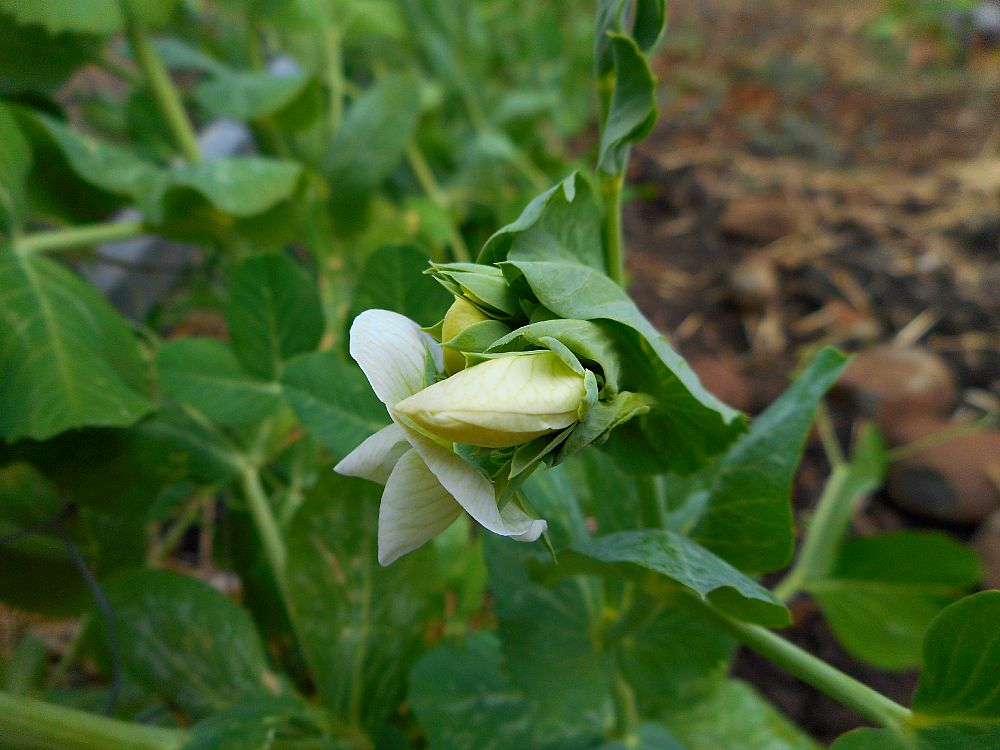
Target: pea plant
448 487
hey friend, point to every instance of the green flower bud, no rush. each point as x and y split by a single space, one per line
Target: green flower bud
460 316
499 403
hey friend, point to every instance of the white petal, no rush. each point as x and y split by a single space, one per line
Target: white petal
501 402
415 507
375 458
392 352
514 516
471 489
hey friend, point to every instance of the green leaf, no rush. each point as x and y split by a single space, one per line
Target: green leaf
394 278
633 110
240 186
683 561
370 142
548 636
251 725
464 697
735 717
673 658
204 374
645 736
23 70
874 739
957 702
689 424
69 359
740 507
884 591
333 400
565 220
273 313
246 95
87 16
15 164
105 165
360 625
185 642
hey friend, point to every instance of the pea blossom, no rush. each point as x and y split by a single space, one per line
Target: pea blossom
428 485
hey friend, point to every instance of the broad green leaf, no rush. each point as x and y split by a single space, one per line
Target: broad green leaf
246 95
69 359
15 164
548 638
204 374
252 725
87 16
632 111
105 165
39 575
464 697
23 70
874 739
645 736
394 278
240 186
273 313
370 142
735 717
957 702
683 561
689 424
359 625
24 668
884 591
673 657
333 400
127 471
185 642
564 219
740 506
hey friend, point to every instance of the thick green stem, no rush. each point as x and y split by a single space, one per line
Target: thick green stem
614 250
164 91
265 523
45 726
60 239
843 688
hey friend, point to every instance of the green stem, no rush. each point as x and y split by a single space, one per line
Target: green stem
828 436
60 239
843 688
649 502
847 484
183 522
334 57
166 94
45 726
429 184
265 523
614 250
826 529
626 711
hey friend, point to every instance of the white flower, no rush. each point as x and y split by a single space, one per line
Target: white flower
427 485
500 402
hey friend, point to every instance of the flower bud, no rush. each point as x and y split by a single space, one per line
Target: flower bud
499 403
460 316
